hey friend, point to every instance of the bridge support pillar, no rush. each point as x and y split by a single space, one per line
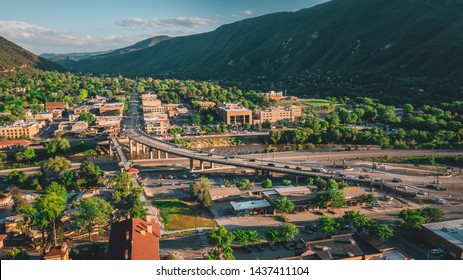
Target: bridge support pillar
192 167
158 154
201 165
136 147
151 153
110 148
130 145
212 165
167 155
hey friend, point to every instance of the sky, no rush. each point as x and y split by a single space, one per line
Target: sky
62 26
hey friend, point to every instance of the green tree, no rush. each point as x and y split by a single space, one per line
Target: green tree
56 164
275 136
244 184
286 182
51 205
90 172
432 214
380 231
357 220
17 178
327 225
267 183
287 232
273 236
241 237
222 238
68 179
283 205
57 145
89 118
200 191
92 212
26 155
254 237
369 198
17 254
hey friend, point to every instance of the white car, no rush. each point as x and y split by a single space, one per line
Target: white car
422 193
436 251
376 204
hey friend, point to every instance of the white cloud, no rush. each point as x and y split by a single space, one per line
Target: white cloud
38 39
244 13
137 23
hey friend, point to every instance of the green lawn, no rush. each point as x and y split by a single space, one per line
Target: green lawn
177 214
314 102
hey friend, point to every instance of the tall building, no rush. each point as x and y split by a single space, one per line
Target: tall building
134 239
235 113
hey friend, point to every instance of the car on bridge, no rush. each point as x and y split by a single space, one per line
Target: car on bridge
271 164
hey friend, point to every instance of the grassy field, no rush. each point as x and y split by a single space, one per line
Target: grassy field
177 215
314 102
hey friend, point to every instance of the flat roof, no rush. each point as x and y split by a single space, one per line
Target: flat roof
451 230
292 190
248 205
341 247
222 192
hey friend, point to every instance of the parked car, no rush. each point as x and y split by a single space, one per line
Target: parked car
436 251
403 187
298 168
422 193
252 160
397 180
376 204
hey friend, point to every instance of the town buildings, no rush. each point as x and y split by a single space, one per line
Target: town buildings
235 113
20 130
52 106
274 114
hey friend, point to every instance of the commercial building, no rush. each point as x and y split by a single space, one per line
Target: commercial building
20 130
134 239
150 97
447 236
112 109
275 114
250 207
51 106
156 123
235 113
153 109
14 144
301 197
224 194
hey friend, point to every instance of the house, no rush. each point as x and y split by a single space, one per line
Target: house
60 252
224 194
52 106
206 104
134 239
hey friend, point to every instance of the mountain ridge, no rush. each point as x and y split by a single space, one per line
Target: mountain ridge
341 35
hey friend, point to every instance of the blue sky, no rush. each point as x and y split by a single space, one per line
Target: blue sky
61 26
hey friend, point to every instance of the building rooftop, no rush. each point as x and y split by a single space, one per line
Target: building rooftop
451 230
223 192
134 239
338 247
353 192
248 205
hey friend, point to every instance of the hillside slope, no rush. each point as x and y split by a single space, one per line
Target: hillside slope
398 37
14 58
